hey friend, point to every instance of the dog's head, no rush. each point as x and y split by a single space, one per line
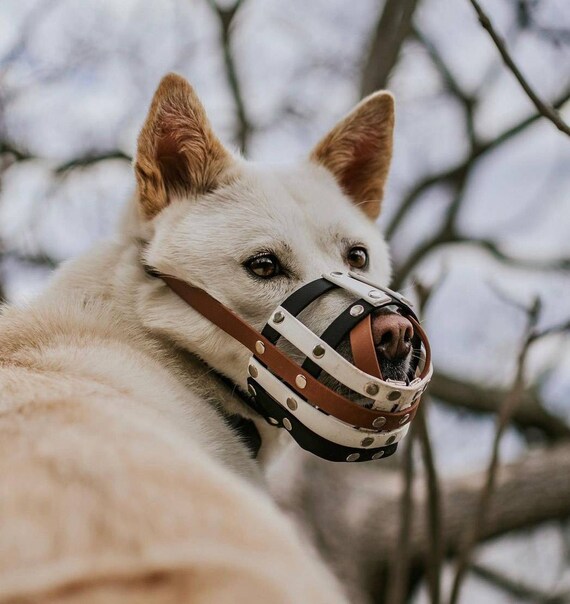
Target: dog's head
250 234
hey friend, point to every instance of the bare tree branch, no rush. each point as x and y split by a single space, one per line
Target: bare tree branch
508 407
391 31
521 591
434 557
226 17
450 175
530 412
546 110
400 565
92 158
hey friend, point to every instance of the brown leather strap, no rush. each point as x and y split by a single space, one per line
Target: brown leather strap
316 393
363 349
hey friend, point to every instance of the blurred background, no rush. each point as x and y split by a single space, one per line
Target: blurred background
475 508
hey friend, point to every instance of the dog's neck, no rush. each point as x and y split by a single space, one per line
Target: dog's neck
115 275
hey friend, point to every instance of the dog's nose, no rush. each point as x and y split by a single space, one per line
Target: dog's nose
392 335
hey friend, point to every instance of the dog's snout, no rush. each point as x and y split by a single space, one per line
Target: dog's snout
392 336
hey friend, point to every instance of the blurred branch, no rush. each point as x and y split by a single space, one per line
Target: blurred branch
521 591
92 158
530 413
510 404
532 490
451 175
434 555
226 17
400 564
547 111
391 31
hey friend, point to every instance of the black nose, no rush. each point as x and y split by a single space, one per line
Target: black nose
392 336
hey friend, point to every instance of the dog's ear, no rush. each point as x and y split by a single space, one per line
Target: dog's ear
178 153
358 151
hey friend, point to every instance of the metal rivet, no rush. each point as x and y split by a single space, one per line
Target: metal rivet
353 457
272 420
318 351
292 404
357 310
372 389
259 347
336 274
394 395
405 419
252 371
251 390
366 442
378 455
287 424
278 317
374 293
379 422
390 440
301 381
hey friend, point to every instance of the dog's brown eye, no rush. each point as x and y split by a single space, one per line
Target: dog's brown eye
357 257
265 266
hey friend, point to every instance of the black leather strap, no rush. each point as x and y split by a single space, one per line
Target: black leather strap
309 440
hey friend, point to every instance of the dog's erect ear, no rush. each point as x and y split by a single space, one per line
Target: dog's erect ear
178 153
358 151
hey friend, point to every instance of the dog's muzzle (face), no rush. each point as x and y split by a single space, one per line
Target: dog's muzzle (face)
319 419
293 396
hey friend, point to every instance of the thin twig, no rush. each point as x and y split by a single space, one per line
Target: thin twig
226 17
450 175
508 407
399 573
389 36
521 591
546 110
434 513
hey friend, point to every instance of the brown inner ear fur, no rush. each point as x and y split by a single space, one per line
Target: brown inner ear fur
178 153
358 151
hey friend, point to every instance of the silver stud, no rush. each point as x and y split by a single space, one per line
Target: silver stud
372 389
357 310
366 442
318 351
336 274
252 370
292 404
374 293
404 419
390 440
251 390
378 455
301 381
379 422
353 457
394 395
272 420
278 317
287 424
259 347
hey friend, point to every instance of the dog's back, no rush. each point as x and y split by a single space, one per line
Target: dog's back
105 498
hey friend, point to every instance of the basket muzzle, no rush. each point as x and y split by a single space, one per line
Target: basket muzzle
292 396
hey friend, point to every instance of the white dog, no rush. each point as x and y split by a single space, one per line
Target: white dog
122 479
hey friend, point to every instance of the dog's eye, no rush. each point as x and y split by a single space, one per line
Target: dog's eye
357 257
265 266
